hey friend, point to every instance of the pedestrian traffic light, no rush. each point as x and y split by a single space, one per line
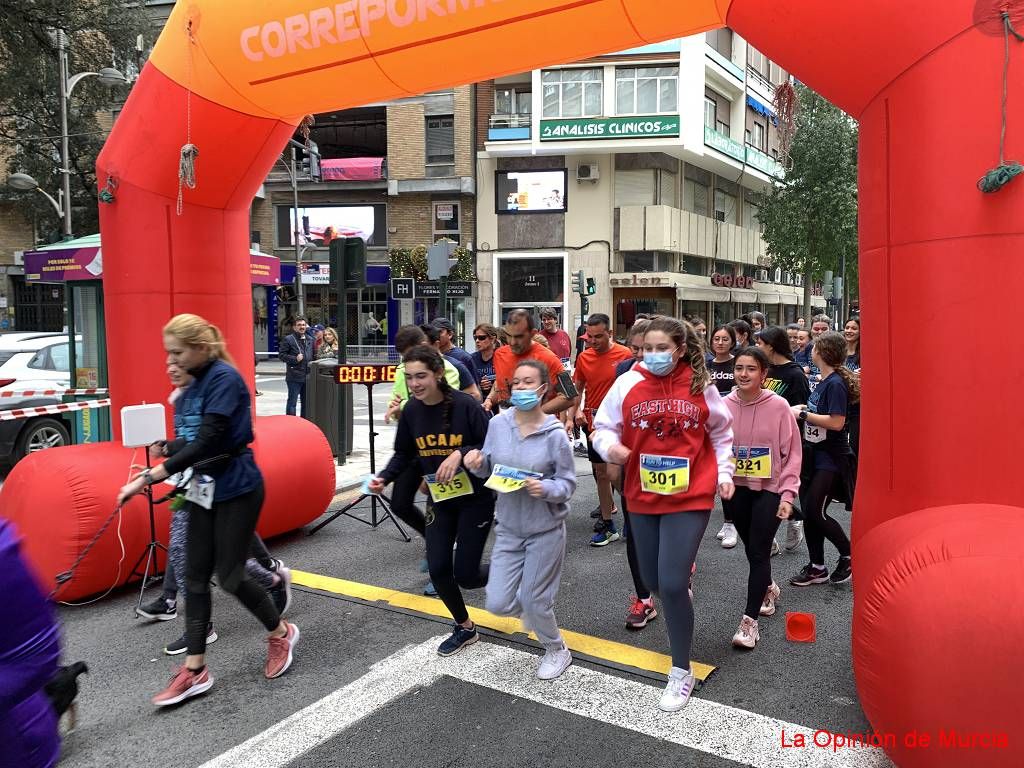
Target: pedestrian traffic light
591 286
585 306
579 283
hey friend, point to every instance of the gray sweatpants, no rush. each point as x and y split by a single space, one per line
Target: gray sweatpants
524 580
174 575
666 546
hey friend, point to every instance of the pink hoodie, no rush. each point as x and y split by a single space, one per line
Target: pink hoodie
766 423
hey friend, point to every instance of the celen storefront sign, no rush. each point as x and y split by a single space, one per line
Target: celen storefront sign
639 127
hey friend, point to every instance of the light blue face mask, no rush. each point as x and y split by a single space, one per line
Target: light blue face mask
525 399
659 363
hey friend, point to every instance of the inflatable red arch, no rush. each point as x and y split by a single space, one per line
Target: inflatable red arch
938 531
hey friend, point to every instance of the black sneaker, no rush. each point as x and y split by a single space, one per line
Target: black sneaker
581 451
842 573
810 575
181 644
158 610
461 637
596 513
281 594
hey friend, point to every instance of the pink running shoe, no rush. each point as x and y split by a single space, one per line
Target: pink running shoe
184 685
279 652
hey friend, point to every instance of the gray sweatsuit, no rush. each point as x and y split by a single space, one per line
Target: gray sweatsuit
529 543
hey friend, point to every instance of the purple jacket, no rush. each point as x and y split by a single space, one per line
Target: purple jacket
29 651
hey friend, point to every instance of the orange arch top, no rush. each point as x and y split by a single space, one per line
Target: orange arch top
284 60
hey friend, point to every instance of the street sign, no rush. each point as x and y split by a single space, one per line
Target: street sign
402 288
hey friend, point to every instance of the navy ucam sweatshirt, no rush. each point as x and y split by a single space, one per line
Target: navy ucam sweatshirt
422 436
548 452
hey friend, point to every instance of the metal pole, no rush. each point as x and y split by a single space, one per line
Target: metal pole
65 155
295 237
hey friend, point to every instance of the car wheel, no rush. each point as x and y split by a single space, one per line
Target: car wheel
39 435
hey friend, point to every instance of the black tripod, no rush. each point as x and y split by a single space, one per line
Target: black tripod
383 500
150 553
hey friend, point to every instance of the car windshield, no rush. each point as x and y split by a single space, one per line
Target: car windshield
5 356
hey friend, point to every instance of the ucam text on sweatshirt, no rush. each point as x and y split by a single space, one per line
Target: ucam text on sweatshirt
665 426
767 444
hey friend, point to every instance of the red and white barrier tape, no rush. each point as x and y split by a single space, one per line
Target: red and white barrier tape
42 410
51 392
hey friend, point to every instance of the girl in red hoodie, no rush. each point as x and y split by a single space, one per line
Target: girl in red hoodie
767 449
666 423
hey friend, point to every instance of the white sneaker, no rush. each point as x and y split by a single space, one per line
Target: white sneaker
747 635
730 537
554 663
770 597
722 530
681 683
775 547
794 534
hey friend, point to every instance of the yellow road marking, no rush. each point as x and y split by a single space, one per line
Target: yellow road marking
619 653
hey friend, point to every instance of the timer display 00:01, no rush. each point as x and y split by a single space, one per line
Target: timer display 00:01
366 374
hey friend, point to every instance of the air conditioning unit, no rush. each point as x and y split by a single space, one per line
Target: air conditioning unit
588 172
798 279
761 275
720 215
778 274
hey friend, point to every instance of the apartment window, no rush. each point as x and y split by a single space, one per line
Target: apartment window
513 100
721 41
757 61
446 221
646 261
725 207
441 145
750 211
695 265
710 112
635 188
716 111
646 90
668 189
572 92
696 190
757 132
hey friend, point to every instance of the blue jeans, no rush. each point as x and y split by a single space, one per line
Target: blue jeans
296 391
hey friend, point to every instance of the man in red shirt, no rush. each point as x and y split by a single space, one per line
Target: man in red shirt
594 376
520 331
558 340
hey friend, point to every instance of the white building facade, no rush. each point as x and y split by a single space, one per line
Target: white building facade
639 168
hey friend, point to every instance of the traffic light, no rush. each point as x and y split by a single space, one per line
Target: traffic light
579 283
348 262
591 286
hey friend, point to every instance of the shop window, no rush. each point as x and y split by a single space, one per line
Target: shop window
646 90
572 92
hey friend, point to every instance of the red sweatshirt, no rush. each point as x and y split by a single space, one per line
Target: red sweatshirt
766 443
681 444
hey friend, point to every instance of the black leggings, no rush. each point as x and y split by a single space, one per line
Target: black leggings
219 540
403 494
754 515
814 501
467 524
642 592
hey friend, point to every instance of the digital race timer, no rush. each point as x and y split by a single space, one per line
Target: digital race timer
366 374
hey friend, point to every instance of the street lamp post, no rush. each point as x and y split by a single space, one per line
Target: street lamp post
109 77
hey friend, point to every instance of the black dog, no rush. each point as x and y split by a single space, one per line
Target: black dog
62 690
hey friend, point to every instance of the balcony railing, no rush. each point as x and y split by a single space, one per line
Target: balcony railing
724 62
509 127
663 228
756 78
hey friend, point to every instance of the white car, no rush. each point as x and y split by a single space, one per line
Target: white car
33 361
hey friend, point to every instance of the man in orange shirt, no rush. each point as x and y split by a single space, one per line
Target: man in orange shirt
521 346
594 376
